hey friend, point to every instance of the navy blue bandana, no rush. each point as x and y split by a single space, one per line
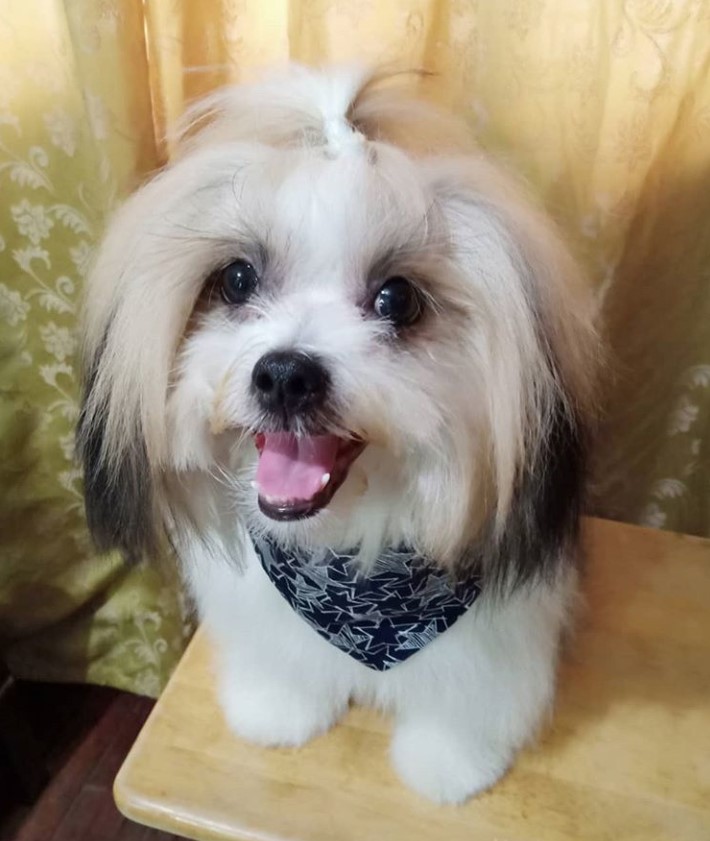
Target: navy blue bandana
380 619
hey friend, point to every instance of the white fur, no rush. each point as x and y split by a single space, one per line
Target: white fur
317 171
463 705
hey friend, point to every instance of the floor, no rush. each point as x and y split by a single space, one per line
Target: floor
85 733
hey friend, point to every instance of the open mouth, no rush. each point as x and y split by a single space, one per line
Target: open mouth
298 476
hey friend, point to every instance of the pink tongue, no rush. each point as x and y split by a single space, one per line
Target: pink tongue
293 468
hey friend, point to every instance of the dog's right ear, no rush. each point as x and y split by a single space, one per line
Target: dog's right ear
118 482
138 298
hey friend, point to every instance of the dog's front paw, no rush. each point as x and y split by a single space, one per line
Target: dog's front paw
276 715
443 764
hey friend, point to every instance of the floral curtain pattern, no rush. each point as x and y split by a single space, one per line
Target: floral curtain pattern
603 105
69 146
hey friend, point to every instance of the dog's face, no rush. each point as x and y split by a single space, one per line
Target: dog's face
363 344
334 342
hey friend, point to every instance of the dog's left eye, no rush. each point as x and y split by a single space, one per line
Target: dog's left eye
398 301
238 282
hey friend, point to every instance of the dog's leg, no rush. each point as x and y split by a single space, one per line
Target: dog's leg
279 682
468 701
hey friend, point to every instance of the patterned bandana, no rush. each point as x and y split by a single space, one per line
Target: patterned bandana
380 619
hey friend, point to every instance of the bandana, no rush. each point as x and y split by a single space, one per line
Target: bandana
380 618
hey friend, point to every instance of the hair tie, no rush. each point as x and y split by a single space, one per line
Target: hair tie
340 135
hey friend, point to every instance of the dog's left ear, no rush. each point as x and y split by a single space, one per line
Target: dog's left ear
536 312
540 529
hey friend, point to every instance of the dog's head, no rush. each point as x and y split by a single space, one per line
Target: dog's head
364 332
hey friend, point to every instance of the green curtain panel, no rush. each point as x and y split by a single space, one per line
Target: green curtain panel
65 614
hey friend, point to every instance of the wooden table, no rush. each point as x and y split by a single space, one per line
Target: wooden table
627 757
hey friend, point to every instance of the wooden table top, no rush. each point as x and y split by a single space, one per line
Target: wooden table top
627 757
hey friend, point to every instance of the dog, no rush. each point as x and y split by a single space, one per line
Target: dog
336 356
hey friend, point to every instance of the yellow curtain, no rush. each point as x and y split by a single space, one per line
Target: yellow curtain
604 105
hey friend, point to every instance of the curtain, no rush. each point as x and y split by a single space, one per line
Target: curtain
603 105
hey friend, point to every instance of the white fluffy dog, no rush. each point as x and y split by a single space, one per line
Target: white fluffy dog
335 355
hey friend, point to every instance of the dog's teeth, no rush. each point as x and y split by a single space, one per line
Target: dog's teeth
325 478
277 500
254 485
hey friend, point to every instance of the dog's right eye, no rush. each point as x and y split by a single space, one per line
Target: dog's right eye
238 282
398 301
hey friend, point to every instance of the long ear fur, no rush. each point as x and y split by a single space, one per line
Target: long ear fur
540 531
142 289
118 493
543 356
135 311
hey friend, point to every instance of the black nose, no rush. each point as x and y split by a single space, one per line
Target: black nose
288 382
